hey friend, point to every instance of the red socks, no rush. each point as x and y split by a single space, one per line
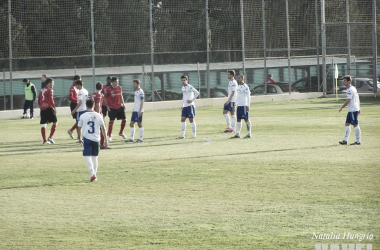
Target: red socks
43 132
110 126
53 128
74 127
101 138
122 126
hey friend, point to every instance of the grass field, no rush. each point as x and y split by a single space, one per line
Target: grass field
292 179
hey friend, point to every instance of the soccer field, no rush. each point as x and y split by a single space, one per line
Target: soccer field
275 191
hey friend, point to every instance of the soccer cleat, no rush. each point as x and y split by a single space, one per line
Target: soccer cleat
180 137
343 142
139 141
129 140
192 137
235 136
247 137
93 178
227 130
109 138
356 143
71 134
123 135
231 131
46 143
51 140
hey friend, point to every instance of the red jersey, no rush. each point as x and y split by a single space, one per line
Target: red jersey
113 97
45 98
73 94
105 87
98 98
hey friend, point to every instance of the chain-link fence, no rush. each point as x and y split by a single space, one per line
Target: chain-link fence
156 41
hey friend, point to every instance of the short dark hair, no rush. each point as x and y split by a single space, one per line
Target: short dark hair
109 78
44 76
48 80
77 77
241 75
137 81
270 75
90 103
99 85
114 79
78 82
231 71
185 77
348 78
25 80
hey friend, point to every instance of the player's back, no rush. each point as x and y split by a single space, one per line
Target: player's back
82 95
90 122
45 98
354 104
97 97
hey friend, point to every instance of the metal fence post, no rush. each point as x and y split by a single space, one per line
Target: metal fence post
348 39
151 45
10 49
242 35
288 39
374 46
317 45
93 43
323 27
264 47
143 76
208 50
5 103
199 80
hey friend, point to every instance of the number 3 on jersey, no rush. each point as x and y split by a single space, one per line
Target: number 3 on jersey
92 125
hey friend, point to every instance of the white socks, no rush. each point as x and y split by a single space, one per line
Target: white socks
90 165
233 117
194 129
95 164
141 131
238 128
347 134
249 127
357 133
183 128
133 133
227 117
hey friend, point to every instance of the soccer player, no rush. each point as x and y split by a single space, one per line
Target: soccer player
91 122
188 107
30 98
115 107
243 103
105 86
48 110
98 100
230 104
73 97
353 103
43 79
137 113
82 98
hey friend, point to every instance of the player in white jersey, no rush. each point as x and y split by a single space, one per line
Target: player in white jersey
137 113
243 103
353 103
230 104
82 98
188 107
91 122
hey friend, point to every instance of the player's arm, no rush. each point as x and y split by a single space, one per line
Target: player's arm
344 104
51 100
248 93
229 99
104 100
77 107
122 100
104 131
97 106
141 105
40 99
34 93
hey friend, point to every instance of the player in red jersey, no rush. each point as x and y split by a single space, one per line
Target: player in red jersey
73 97
48 110
106 86
115 107
99 100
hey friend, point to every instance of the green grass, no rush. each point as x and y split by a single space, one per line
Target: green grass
274 191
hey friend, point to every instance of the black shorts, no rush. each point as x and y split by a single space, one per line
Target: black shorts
104 110
117 113
48 116
72 107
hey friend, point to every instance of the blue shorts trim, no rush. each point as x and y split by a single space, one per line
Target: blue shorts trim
229 107
79 114
188 112
242 113
135 116
90 147
352 117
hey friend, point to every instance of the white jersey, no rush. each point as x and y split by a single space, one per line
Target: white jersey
243 95
354 104
82 95
139 95
90 122
189 93
232 86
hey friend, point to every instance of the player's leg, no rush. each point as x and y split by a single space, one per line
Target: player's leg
87 153
192 122
24 115
357 129
121 115
227 118
132 128
348 129
70 131
233 118
141 131
112 116
183 127
43 122
52 131
31 109
95 153
248 123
